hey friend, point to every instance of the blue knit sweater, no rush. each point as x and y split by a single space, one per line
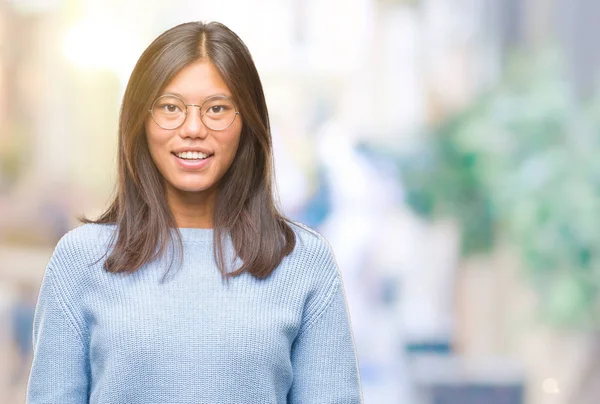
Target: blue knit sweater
116 338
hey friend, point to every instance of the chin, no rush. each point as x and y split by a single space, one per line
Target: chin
191 187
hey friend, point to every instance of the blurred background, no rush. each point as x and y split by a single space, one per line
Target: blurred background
446 148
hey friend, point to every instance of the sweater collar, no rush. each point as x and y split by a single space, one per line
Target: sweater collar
194 234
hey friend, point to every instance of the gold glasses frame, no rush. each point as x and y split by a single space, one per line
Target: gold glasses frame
185 113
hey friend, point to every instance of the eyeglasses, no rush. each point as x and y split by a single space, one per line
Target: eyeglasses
170 112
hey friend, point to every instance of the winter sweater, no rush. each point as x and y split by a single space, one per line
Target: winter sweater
130 338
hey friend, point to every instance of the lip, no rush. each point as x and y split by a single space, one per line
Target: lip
192 164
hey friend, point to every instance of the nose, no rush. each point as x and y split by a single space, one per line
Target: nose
193 125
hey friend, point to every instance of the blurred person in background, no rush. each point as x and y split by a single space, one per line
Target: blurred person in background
256 310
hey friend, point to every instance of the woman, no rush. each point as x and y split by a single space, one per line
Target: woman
254 309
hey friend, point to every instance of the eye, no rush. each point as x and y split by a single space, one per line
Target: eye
217 109
171 108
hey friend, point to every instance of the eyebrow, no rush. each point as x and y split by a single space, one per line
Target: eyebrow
205 98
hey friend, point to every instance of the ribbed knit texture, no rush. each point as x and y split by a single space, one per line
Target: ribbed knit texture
116 338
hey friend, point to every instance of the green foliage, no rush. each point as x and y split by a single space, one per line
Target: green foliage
523 163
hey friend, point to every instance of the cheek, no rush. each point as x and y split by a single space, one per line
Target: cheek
156 145
230 145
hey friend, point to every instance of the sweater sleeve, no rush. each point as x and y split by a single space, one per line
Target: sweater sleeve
59 372
324 361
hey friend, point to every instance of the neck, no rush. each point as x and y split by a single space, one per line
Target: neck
192 209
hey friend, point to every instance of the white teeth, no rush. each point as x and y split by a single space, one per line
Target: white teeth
192 155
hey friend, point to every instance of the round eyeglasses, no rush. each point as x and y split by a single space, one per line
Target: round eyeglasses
170 112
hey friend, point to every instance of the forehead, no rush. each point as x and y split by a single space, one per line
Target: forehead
197 81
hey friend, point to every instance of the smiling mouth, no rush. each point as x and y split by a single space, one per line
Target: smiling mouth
192 155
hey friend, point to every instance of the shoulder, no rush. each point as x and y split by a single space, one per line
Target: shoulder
74 270
313 263
313 253
88 232
81 247
309 241
89 236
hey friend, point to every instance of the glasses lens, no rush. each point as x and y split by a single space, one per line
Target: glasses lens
218 113
168 112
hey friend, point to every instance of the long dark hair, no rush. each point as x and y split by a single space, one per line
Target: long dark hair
245 208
